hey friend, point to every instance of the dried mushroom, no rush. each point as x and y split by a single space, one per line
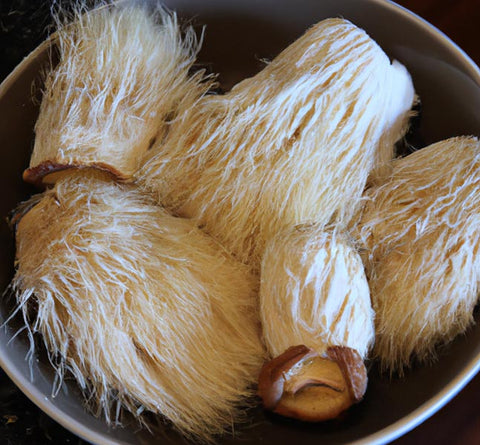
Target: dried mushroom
302 384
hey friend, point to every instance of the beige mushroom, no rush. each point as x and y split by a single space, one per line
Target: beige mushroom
122 75
294 144
144 309
421 239
317 324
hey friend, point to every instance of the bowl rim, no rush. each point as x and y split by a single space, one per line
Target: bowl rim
383 436
434 404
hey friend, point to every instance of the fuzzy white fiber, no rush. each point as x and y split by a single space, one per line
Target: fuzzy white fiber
144 309
421 234
314 292
122 76
294 144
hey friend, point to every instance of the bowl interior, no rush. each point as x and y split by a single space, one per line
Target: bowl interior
239 36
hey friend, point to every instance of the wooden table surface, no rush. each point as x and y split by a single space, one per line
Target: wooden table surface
458 423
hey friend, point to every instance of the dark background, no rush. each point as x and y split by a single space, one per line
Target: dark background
24 24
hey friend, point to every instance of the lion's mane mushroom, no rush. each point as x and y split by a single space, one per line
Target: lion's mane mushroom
293 144
122 75
317 324
421 239
144 310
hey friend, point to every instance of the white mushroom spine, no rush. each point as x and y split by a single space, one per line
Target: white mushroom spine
314 292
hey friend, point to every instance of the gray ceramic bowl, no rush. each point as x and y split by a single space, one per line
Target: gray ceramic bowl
239 34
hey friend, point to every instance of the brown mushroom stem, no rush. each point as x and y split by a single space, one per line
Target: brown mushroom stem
302 384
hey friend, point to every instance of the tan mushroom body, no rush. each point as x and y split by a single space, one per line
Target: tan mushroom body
122 74
141 307
294 144
420 232
314 293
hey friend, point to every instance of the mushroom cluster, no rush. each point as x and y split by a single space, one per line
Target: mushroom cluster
193 248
